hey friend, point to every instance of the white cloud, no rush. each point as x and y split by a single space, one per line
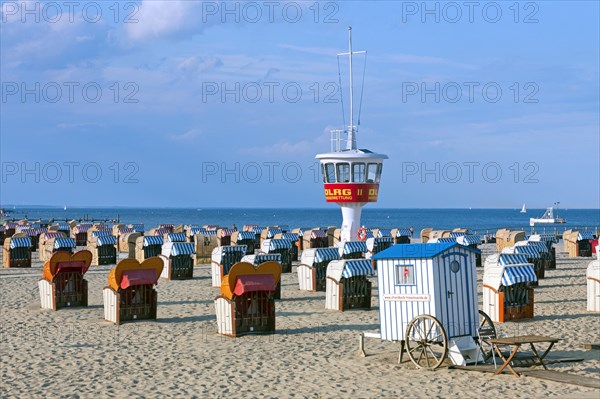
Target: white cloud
189 135
282 147
426 60
156 19
65 125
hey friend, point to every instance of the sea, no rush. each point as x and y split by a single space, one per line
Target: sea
479 220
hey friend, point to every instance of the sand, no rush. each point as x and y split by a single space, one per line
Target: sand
74 353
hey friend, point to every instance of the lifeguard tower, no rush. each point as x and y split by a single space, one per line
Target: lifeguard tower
351 175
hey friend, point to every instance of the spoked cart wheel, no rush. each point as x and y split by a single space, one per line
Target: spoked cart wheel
486 331
426 342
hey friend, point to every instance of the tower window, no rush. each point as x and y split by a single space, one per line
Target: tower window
358 172
343 170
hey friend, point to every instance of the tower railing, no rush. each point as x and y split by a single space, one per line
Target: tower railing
339 140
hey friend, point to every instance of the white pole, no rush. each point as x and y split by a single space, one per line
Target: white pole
351 139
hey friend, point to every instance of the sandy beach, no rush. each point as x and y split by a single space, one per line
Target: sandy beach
74 353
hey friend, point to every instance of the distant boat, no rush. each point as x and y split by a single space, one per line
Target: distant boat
547 218
64 208
523 210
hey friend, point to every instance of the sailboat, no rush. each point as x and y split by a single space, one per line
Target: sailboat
523 210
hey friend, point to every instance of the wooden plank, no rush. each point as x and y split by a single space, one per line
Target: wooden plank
592 346
523 339
563 377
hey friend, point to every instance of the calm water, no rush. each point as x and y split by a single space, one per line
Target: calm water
476 219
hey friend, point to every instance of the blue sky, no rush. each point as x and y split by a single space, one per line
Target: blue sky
492 106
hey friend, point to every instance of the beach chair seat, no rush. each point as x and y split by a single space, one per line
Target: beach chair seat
63 283
312 271
130 294
181 263
347 284
246 304
17 251
279 246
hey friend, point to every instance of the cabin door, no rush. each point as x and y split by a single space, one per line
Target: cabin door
457 295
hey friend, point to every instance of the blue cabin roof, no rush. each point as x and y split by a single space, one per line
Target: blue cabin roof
418 251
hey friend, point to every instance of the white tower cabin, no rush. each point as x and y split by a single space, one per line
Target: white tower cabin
351 175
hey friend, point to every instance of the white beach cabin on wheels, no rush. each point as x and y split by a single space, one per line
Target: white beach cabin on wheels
432 288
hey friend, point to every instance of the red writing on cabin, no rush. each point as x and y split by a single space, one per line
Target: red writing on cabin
351 192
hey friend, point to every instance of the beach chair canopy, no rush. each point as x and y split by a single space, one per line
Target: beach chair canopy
245 235
36 231
101 233
52 234
125 230
349 268
161 231
182 248
10 225
403 233
262 258
258 230
469 240
21 229
64 242
225 232
206 232
24 242
302 230
514 274
194 230
250 280
531 252
279 243
507 275
130 272
64 226
273 232
176 237
81 228
383 240
384 233
63 261
351 247
326 254
442 240
512 259
137 227
218 252
543 238
153 240
107 240
585 235
290 236
317 234
539 245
